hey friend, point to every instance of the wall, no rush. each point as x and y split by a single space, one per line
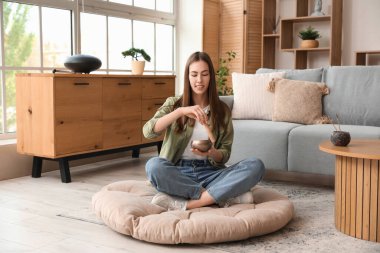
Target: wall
361 20
189 34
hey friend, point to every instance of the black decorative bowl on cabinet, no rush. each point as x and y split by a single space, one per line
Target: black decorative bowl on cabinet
82 63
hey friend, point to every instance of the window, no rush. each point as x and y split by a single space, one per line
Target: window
159 5
143 37
38 35
93 36
56 36
119 40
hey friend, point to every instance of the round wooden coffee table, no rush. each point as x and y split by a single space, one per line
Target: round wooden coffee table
357 188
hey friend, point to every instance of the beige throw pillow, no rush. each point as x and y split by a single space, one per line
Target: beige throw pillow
298 101
252 100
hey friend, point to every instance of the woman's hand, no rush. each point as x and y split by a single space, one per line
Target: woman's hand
215 154
195 112
210 134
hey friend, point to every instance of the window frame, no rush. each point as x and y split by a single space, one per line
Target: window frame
105 8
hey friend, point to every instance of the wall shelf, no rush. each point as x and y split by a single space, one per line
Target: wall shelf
361 56
306 49
271 35
286 33
307 19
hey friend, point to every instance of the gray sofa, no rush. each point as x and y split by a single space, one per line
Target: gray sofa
290 151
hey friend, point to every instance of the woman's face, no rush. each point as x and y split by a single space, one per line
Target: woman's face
199 77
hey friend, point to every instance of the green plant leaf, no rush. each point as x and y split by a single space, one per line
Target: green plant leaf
309 33
135 53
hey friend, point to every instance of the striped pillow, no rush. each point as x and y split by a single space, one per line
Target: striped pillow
252 100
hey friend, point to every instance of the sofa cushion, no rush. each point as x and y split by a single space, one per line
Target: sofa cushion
251 98
304 153
354 94
125 207
298 101
266 140
312 75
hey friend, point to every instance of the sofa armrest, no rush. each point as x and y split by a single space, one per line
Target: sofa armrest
228 100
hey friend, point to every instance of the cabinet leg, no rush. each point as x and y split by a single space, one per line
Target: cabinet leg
37 166
159 145
65 170
136 153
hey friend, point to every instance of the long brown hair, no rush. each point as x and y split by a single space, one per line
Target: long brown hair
218 109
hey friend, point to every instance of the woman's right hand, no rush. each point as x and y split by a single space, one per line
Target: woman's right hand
195 112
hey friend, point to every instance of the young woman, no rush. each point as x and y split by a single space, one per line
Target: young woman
185 177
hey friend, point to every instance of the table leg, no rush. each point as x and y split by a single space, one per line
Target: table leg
37 166
136 153
65 170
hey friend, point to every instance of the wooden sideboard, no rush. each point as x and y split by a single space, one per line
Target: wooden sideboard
70 116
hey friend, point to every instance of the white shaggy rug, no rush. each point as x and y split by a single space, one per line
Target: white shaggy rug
311 230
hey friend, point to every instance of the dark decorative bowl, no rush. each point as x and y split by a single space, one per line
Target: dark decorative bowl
201 145
340 138
82 63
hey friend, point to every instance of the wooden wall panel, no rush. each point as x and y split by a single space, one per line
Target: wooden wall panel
232 31
211 30
253 40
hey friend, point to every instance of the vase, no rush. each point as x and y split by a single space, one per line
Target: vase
340 138
309 43
138 67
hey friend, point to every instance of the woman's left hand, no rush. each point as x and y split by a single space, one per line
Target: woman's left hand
212 152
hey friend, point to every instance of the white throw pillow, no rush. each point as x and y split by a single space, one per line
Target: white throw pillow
252 100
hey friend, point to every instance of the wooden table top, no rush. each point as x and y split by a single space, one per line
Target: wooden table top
358 148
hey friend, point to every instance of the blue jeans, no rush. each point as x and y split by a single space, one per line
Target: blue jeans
188 178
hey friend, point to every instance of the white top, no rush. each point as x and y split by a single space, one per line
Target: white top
199 133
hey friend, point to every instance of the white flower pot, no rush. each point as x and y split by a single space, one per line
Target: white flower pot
138 67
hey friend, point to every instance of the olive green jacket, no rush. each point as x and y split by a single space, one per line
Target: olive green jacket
174 144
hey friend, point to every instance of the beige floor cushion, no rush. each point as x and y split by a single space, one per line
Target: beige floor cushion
125 207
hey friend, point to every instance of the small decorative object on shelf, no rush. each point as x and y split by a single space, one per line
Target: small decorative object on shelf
339 137
275 26
135 53
222 72
309 37
317 9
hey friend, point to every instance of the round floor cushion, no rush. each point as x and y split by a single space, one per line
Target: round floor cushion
125 207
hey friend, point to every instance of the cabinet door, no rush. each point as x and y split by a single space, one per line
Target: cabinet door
157 88
121 112
150 106
78 115
120 98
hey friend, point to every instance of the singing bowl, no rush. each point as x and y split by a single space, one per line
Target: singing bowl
201 145
82 63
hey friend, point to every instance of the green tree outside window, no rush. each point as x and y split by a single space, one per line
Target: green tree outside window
18 44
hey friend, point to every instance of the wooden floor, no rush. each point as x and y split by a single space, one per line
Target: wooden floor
46 216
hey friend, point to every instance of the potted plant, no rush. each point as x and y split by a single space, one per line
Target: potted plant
222 72
136 53
309 37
